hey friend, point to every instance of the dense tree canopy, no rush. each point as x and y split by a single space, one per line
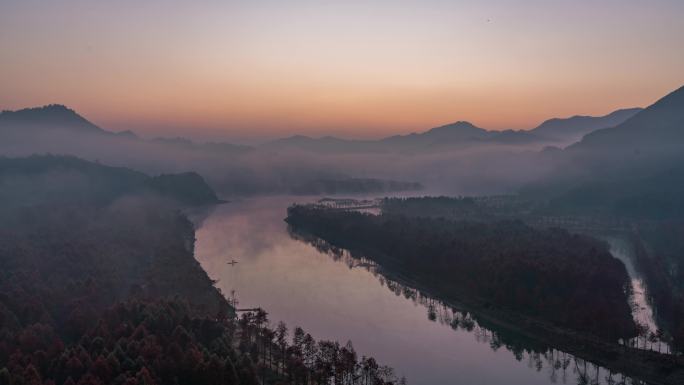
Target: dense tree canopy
549 274
113 295
99 285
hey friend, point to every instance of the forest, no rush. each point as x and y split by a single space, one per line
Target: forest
547 274
110 293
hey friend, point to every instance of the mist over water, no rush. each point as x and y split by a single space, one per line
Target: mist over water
470 192
443 159
338 297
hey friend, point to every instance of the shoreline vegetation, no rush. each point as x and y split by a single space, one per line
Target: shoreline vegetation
548 274
105 289
657 243
646 365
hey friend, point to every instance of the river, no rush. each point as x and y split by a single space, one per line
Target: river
337 298
642 311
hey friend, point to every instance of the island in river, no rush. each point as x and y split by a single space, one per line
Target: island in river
525 282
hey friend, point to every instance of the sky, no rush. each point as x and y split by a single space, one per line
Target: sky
271 68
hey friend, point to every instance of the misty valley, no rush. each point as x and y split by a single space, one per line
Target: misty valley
341 192
429 258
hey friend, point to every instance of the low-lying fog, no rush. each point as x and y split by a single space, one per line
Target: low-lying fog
235 171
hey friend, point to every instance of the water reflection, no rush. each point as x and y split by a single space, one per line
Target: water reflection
424 340
561 367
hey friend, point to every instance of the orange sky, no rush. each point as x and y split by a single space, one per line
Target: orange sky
260 69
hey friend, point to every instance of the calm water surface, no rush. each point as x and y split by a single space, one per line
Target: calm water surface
298 284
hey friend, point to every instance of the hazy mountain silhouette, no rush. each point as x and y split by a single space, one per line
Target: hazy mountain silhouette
56 117
458 157
579 125
455 132
635 168
660 125
649 140
461 134
50 116
458 133
234 169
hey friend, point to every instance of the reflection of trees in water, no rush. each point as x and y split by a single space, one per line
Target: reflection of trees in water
561 367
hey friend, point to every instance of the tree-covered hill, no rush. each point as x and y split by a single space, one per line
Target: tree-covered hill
99 285
633 169
66 179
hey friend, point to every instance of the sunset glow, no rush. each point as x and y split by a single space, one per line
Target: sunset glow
260 69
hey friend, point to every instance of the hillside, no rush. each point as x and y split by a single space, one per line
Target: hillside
112 294
68 180
577 126
661 126
56 118
633 169
53 116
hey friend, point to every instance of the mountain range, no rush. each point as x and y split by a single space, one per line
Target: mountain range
559 158
635 168
649 137
56 117
578 126
461 134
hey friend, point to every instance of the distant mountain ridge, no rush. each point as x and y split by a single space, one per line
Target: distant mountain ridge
662 123
635 168
581 125
462 134
460 130
56 129
59 117
52 115
458 134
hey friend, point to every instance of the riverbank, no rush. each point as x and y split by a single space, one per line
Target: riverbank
113 295
645 365
648 366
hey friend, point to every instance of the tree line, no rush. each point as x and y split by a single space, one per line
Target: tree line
95 295
566 279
